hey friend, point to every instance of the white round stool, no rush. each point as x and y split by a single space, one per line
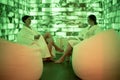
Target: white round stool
98 58
19 62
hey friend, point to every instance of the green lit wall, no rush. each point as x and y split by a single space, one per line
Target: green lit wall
62 18
11 12
112 14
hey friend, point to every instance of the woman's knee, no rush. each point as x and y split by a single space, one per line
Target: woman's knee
50 41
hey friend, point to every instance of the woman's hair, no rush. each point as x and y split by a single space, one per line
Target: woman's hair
93 18
25 17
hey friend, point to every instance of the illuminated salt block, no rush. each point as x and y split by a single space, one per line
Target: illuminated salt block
19 62
98 57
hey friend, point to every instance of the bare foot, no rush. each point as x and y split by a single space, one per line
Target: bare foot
60 60
50 59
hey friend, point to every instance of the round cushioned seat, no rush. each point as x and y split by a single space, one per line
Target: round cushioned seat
19 62
98 57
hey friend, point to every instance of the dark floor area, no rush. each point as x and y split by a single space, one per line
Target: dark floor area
63 71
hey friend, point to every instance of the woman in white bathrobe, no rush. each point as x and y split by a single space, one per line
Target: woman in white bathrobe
30 37
86 33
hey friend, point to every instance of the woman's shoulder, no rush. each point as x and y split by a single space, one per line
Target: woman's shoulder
98 29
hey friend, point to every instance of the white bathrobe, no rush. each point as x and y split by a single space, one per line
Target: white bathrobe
26 37
85 34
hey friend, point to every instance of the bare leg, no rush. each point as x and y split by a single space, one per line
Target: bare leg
68 52
50 50
48 38
50 43
57 48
